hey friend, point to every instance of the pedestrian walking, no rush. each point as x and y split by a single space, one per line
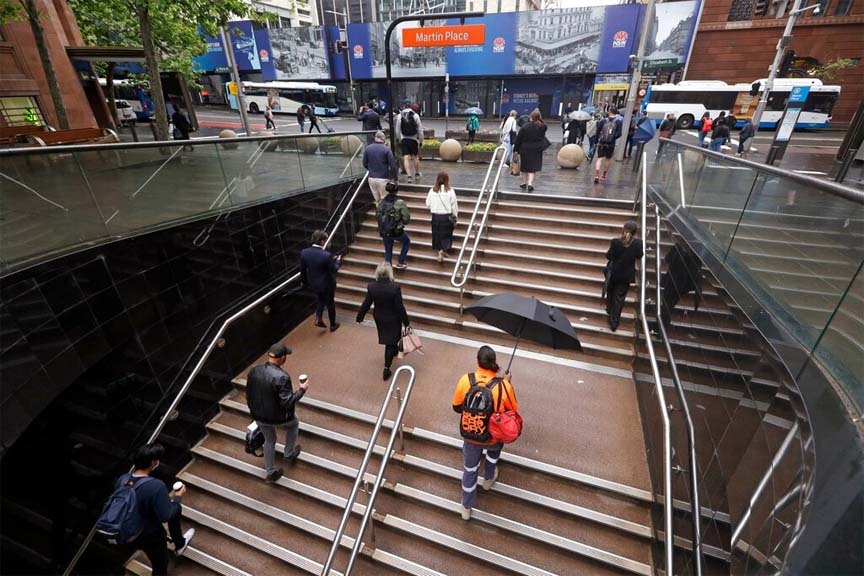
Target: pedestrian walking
719 135
268 117
409 133
472 125
271 400
441 201
705 129
608 132
622 256
301 118
591 134
318 273
393 216
667 130
745 136
371 121
509 130
530 144
388 310
313 119
182 125
379 160
473 451
155 507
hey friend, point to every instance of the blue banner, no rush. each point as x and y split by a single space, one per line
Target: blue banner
495 57
360 51
244 44
265 55
214 60
337 61
618 41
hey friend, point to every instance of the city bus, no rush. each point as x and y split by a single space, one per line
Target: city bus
136 93
690 99
286 97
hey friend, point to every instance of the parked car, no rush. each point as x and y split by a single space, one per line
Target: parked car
125 113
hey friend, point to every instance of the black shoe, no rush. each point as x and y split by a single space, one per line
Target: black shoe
523 186
530 188
272 478
320 324
386 373
291 458
334 327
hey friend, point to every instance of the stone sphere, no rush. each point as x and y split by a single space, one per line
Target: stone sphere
227 134
308 145
451 150
571 156
350 144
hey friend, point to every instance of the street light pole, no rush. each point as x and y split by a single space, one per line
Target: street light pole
782 44
634 81
235 77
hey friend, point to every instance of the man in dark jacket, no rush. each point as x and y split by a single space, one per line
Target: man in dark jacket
379 160
394 211
271 401
318 273
371 121
745 136
157 507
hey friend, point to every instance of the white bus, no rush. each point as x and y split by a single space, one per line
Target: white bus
286 97
690 99
134 92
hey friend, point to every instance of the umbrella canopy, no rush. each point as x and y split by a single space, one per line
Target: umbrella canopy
579 115
526 317
474 110
589 109
644 131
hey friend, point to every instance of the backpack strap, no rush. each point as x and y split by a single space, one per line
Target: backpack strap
472 379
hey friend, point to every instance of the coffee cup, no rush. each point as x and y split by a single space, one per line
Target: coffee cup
177 486
303 378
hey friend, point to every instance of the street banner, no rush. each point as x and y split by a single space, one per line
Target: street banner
619 38
494 57
360 51
337 61
670 34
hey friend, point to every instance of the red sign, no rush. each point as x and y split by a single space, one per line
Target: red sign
467 35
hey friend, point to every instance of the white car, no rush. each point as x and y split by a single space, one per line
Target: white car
125 112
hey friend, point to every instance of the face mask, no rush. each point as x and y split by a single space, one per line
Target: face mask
155 466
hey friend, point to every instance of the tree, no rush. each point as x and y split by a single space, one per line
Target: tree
831 69
12 10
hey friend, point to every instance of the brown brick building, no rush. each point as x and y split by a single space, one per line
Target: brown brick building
737 41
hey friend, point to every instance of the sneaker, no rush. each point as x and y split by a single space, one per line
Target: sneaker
320 324
292 457
334 326
409 180
187 538
418 175
523 186
466 513
489 482
400 265
272 478
530 188
386 374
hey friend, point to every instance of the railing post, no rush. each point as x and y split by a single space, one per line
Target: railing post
401 428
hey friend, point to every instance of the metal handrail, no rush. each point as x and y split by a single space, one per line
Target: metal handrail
695 508
658 383
483 189
361 472
206 355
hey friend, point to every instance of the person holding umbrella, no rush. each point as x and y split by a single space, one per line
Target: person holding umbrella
622 255
504 397
389 312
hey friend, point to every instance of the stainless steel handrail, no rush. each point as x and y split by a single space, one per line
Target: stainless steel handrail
695 509
658 383
491 196
361 472
213 342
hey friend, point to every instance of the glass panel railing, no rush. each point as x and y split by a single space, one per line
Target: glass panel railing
56 199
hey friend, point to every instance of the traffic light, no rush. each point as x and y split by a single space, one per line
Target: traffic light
761 8
340 46
786 64
754 88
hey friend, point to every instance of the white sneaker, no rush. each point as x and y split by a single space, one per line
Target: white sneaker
187 537
489 482
466 513
419 175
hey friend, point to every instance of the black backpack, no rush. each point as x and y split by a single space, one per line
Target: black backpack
121 520
389 220
607 133
254 440
477 408
408 124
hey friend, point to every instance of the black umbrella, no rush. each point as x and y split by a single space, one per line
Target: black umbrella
526 317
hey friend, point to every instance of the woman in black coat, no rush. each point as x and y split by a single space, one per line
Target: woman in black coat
622 255
530 144
389 313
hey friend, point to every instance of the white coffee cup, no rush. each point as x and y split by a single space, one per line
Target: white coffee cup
177 486
303 378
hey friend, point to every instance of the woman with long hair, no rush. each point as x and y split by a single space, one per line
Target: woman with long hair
389 312
441 201
509 129
530 145
622 255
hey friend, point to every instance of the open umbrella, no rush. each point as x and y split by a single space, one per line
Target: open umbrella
579 115
526 317
474 110
645 131
589 109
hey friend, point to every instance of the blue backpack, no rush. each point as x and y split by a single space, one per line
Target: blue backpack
121 521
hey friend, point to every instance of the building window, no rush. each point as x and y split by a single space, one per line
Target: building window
823 8
843 8
741 10
21 111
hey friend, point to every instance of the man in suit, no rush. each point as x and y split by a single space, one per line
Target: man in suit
318 273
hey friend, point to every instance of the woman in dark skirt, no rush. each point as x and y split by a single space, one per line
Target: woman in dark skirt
442 203
389 313
622 255
530 144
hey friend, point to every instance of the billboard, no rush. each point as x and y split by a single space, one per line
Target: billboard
251 51
492 58
560 41
300 53
618 41
670 34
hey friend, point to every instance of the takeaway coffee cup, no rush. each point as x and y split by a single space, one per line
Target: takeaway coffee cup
303 378
177 486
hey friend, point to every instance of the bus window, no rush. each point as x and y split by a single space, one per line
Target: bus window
719 100
777 101
821 102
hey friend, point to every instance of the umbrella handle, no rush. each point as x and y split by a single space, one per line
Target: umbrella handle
518 338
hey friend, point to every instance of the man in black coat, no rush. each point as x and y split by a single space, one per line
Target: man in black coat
371 121
318 273
271 401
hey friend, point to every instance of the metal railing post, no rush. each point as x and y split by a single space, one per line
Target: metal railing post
401 428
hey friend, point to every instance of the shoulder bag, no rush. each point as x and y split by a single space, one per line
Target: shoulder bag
505 426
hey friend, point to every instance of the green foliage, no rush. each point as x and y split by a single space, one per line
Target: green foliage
331 141
432 144
832 68
481 147
10 11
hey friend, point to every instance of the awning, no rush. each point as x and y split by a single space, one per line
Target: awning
106 53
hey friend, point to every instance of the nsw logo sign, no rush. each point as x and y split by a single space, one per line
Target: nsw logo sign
358 52
498 44
620 39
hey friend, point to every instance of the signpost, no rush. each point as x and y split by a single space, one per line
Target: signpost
796 101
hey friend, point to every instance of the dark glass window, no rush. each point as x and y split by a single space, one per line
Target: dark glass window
821 102
741 10
843 8
777 101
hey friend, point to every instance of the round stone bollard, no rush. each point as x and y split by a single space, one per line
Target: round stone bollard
226 135
571 156
450 151
350 144
308 145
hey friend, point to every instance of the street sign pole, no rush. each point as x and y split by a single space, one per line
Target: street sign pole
446 103
634 81
235 77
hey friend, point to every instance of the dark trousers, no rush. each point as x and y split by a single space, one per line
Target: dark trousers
471 134
388 247
390 351
314 124
615 297
326 299
153 545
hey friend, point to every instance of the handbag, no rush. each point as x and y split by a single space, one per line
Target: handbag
607 279
410 343
546 143
505 427
450 216
515 165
